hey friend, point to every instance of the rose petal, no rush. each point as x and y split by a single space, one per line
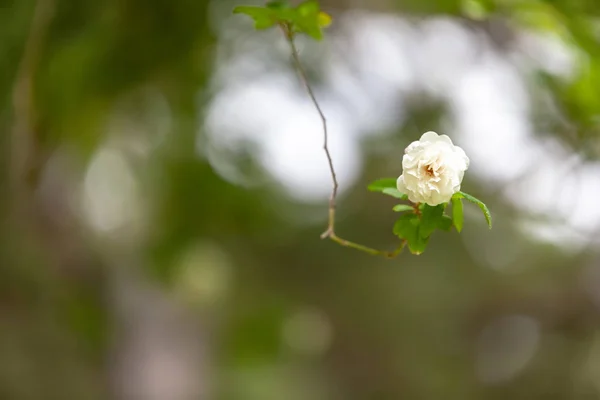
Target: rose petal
445 139
400 184
430 136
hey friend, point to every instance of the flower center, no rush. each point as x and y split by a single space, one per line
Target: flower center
429 171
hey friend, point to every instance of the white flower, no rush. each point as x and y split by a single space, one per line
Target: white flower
432 169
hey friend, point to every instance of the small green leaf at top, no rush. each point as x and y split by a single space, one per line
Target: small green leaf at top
306 18
457 213
308 8
309 19
278 4
263 17
402 208
481 204
275 12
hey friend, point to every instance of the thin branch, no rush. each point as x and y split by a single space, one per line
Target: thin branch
23 133
332 198
330 231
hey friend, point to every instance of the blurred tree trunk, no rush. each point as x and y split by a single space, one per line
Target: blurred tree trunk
158 349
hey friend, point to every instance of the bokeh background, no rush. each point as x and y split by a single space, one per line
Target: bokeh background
163 190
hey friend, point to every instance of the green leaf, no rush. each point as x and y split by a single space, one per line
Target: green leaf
252 11
380 184
431 219
260 24
395 193
278 4
457 213
445 223
418 245
407 228
403 207
308 8
481 204
387 186
263 17
308 19
266 17
324 19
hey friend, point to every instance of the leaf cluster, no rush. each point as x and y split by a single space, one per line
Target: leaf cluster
306 18
419 221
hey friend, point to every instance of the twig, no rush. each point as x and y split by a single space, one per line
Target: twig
330 231
23 146
331 225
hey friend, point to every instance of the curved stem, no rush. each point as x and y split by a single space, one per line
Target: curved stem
330 231
23 136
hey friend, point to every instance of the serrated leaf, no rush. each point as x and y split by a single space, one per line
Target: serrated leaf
253 11
310 27
395 193
457 213
402 208
380 184
308 8
284 14
263 17
308 20
261 24
278 4
431 219
407 228
266 17
418 245
445 223
482 206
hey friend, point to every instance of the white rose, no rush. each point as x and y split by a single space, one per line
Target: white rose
432 169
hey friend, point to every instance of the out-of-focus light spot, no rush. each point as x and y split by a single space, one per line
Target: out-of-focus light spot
308 332
111 199
569 241
505 347
547 51
567 193
491 108
443 51
284 124
140 122
296 158
204 274
58 187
